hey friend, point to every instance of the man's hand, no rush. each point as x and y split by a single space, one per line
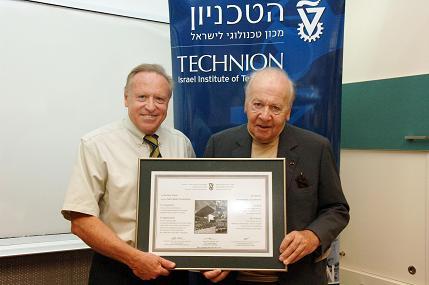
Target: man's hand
296 245
216 275
149 266
103 240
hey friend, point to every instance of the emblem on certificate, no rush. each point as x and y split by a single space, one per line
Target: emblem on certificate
213 213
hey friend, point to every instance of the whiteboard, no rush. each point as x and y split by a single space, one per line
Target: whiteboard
143 9
62 73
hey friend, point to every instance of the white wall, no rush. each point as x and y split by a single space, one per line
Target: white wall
62 73
388 196
388 191
385 39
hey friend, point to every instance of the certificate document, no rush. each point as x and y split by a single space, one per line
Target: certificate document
202 214
211 213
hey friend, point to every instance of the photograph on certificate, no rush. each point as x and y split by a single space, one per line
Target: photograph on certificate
213 213
211 216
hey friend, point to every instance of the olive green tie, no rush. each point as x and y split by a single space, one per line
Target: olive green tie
152 140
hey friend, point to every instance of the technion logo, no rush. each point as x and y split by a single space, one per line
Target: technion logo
310 31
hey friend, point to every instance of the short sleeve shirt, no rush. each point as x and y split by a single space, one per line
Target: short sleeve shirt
104 179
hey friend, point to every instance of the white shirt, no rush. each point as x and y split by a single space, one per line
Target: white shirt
104 178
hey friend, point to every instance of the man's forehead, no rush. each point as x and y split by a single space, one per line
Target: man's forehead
145 78
265 92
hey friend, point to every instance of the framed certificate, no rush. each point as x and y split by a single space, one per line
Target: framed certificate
213 213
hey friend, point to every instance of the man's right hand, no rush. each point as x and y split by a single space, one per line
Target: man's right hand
103 240
149 266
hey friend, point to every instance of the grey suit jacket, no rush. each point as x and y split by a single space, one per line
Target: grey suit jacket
314 196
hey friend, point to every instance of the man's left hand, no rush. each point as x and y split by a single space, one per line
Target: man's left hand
216 275
296 245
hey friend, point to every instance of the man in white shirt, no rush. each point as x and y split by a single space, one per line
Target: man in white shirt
101 200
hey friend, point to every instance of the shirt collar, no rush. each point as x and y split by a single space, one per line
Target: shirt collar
135 132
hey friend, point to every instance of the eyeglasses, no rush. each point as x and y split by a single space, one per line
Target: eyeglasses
259 107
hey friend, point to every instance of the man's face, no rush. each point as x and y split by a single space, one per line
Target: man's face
147 98
267 107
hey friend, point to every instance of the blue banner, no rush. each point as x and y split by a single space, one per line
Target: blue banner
217 44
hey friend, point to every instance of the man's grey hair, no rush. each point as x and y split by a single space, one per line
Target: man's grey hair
148 67
289 89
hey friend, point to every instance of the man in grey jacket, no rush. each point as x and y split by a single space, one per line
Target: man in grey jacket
317 210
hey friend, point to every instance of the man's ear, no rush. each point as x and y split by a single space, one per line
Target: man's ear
288 115
125 98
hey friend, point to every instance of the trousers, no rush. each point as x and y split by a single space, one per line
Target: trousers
107 271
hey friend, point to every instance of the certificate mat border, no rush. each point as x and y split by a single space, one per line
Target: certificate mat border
275 166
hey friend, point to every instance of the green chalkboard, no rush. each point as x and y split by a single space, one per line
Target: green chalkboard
380 114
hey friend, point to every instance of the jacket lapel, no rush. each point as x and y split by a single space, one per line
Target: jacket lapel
242 143
287 147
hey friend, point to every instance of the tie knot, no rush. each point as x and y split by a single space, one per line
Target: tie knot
152 141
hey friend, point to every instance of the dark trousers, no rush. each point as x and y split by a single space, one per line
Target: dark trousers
198 279
106 271
256 283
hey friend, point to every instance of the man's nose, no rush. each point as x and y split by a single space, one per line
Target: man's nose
265 113
150 104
